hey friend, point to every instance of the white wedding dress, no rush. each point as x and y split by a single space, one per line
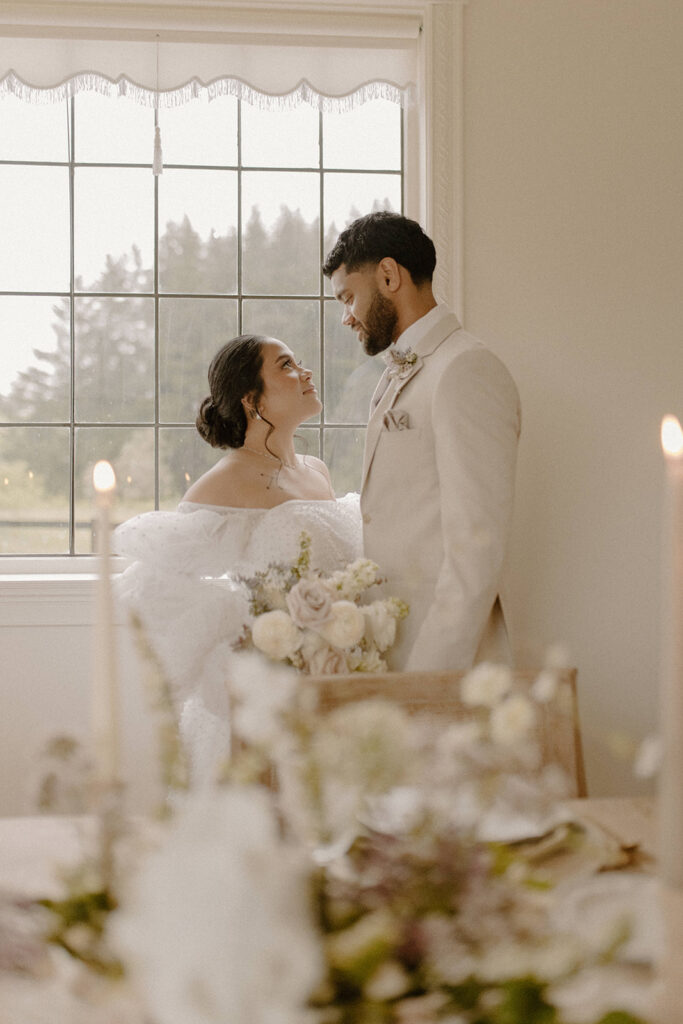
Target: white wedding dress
183 585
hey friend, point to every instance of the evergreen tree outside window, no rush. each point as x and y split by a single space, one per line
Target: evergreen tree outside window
116 288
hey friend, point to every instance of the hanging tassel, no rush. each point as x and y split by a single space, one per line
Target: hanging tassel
158 161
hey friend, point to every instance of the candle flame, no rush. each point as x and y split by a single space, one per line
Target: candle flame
103 477
672 436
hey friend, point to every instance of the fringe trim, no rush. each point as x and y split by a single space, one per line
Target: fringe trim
304 92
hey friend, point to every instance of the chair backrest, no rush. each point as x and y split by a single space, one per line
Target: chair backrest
438 693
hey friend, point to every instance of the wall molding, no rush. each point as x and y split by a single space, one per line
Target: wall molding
442 85
174 19
43 600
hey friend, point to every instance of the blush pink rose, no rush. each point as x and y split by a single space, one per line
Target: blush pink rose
326 661
309 603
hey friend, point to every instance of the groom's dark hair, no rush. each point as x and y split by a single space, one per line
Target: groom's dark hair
369 239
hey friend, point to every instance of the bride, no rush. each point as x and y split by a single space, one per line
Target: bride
246 512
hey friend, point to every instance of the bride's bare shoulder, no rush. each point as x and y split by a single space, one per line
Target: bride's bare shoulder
313 462
227 483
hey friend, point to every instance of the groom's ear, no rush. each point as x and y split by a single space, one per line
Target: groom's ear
389 274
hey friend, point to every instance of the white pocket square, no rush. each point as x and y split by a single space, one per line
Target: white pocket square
396 419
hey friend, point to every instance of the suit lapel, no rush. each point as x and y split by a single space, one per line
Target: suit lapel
387 399
373 430
382 385
386 402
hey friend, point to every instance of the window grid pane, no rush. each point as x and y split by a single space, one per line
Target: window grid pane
140 281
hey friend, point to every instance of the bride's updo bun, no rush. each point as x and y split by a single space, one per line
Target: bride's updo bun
235 371
211 425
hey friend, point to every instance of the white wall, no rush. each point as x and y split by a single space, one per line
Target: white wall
46 660
573 274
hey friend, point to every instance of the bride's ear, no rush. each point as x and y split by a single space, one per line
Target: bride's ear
249 406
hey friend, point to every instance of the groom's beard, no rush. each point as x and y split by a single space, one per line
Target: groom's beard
379 325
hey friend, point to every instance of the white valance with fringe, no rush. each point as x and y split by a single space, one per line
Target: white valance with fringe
161 57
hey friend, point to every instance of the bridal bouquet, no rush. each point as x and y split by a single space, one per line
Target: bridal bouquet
358 866
318 623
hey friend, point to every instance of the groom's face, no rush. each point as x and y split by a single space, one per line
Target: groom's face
372 315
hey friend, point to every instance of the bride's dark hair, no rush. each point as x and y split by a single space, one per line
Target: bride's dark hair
235 371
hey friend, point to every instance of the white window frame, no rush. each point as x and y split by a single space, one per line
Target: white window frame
433 195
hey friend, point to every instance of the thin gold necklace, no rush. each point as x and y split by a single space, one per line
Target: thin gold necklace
267 455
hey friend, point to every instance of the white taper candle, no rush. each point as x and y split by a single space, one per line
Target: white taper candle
105 697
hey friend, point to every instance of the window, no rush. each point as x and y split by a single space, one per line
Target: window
69 200
117 287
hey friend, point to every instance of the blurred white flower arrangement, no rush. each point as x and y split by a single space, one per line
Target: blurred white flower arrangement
353 866
317 623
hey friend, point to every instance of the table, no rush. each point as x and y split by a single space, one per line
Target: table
32 847
631 819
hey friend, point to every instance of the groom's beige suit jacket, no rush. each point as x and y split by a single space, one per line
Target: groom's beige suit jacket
437 494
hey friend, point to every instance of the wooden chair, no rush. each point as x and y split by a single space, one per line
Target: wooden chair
438 693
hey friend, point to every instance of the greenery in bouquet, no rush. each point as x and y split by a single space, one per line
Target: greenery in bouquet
320 623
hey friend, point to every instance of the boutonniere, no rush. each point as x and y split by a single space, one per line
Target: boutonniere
400 362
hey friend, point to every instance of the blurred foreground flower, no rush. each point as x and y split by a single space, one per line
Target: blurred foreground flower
361 865
217 926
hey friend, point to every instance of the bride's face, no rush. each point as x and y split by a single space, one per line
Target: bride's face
289 394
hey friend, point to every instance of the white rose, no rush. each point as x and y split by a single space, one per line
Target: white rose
309 603
381 624
276 635
486 685
345 626
513 719
327 661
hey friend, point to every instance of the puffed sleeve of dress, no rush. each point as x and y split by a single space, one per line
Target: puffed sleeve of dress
191 612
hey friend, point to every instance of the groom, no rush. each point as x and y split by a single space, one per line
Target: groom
440 448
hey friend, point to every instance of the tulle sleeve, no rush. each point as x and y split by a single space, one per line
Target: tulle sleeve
190 618
193 543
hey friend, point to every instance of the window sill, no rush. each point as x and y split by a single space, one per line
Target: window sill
63 566
45 595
